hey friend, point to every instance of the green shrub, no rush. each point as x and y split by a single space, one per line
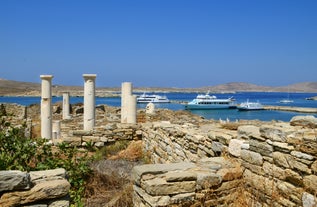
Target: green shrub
20 153
111 149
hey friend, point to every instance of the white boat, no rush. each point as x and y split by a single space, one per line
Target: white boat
249 106
206 101
286 101
152 98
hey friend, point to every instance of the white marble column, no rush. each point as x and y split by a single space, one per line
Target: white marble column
126 92
66 113
56 129
131 109
46 106
89 101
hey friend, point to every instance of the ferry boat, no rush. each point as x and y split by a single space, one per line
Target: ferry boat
206 101
249 106
152 98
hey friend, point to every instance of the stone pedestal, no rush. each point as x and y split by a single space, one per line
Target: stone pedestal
126 92
46 106
89 101
66 112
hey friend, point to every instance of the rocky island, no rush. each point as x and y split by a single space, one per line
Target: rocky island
18 88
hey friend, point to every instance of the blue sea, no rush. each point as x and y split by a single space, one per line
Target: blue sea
266 98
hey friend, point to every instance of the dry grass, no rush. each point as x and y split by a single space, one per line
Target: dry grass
231 125
133 152
111 184
108 190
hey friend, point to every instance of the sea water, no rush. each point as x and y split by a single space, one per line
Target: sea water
178 100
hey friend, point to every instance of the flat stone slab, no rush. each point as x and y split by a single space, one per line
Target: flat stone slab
14 180
138 171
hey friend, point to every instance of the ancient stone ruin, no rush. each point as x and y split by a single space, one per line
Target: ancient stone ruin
43 188
199 162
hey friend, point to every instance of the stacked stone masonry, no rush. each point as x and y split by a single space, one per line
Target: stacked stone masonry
101 136
279 159
209 182
37 188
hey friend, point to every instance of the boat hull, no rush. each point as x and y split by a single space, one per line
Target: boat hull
250 109
250 106
207 107
144 102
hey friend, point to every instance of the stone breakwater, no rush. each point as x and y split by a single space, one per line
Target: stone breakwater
37 188
292 108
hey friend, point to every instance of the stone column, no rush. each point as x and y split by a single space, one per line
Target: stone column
66 114
56 130
126 92
46 106
131 109
89 101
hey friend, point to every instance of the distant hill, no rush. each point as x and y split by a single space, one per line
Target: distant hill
9 87
241 86
18 88
237 86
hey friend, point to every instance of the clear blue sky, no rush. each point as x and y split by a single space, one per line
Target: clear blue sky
172 43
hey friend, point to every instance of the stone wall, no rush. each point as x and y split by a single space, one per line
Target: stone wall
280 164
209 182
37 188
279 159
174 143
100 136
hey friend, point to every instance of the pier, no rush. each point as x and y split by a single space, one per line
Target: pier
292 108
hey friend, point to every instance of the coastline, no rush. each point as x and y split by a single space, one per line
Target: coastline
18 88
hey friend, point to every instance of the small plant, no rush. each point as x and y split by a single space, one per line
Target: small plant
20 153
112 149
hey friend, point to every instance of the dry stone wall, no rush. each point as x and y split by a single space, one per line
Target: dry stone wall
279 159
101 135
209 182
174 143
48 188
280 164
